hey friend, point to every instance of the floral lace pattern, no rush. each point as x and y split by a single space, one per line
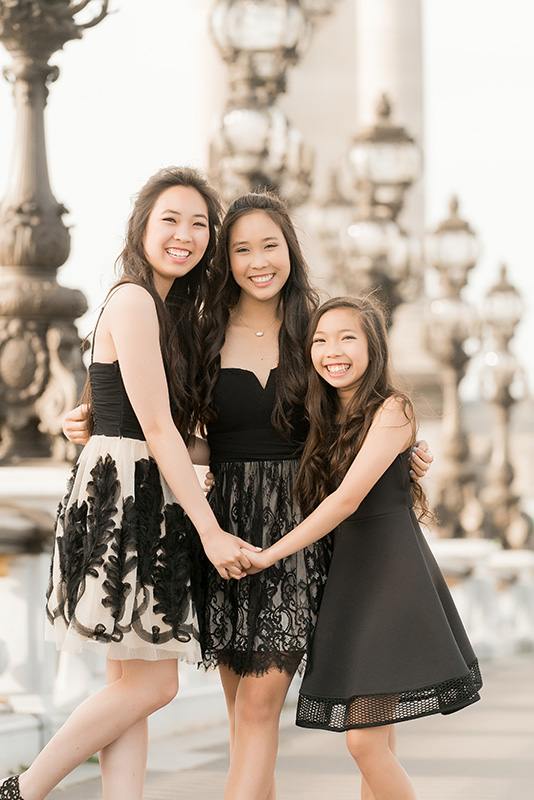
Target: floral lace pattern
124 559
263 621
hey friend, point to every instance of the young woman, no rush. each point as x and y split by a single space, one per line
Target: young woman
389 644
258 630
258 305
122 577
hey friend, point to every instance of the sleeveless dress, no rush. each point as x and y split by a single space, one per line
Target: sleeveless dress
263 621
125 554
389 644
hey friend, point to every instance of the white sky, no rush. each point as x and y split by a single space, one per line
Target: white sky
135 95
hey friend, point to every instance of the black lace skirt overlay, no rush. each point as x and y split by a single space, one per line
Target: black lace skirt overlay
126 558
263 621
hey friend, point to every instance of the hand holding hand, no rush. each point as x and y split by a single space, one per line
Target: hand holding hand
228 554
259 560
75 425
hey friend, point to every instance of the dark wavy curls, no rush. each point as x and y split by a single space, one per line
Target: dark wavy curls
297 301
331 448
178 316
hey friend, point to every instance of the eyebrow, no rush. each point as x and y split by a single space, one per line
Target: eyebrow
343 330
265 239
179 213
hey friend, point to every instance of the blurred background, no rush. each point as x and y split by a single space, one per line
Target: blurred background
401 134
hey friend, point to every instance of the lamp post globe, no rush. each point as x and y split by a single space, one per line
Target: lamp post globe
384 161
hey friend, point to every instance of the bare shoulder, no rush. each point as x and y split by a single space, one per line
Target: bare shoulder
395 410
131 294
131 298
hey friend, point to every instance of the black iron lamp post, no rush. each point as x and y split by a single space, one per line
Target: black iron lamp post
255 145
503 384
41 370
452 326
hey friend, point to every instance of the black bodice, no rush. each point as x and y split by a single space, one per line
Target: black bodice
243 430
112 411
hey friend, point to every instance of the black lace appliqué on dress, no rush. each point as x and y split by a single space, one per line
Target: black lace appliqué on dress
263 621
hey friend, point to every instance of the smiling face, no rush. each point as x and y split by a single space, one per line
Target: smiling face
176 235
339 351
259 256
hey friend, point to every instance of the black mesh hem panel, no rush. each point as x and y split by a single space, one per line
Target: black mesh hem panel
368 711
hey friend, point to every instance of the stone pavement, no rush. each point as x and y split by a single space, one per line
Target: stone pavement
485 752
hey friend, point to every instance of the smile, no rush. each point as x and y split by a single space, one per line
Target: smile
337 369
179 254
259 279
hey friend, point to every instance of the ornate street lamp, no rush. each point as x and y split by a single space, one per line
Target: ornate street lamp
503 384
255 145
384 161
40 361
374 253
369 250
451 328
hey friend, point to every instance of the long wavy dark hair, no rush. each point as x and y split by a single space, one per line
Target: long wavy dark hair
297 301
331 448
179 314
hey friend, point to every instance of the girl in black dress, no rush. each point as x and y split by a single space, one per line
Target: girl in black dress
258 630
122 578
389 644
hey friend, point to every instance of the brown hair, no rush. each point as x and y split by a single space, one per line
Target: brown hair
330 449
178 316
297 300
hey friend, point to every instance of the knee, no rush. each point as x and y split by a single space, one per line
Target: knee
158 695
165 693
257 711
360 744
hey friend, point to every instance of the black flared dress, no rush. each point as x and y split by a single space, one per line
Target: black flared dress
389 644
263 621
125 555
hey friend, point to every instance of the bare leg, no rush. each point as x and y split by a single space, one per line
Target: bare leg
143 687
230 682
382 774
123 762
257 705
392 744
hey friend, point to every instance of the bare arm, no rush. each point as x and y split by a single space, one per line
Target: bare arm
130 320
389 435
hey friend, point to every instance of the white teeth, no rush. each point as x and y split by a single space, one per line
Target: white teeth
262 278
178 253
336 369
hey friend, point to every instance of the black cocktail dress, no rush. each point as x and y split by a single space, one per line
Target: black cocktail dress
263 621
389 644
125 555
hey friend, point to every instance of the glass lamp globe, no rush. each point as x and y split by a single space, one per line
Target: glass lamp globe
503 306
452 249
385 158
255 25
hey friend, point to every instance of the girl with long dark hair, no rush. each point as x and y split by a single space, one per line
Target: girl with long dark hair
123 578
258 630
388 644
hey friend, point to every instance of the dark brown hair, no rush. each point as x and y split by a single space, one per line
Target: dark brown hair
178 316
331 448
297 300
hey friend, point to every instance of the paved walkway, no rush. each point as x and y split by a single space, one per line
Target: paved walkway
485 752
